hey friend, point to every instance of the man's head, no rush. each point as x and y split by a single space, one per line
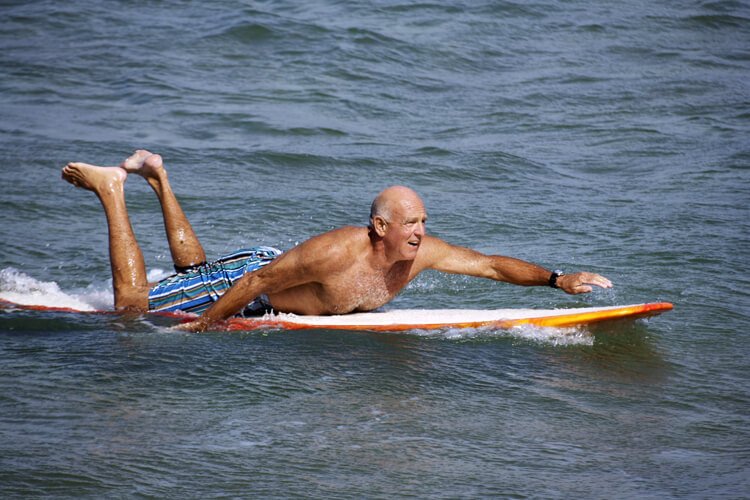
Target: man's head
398 217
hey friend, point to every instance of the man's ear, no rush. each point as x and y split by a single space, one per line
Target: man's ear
379 224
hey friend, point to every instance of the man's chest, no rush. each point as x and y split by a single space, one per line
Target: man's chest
362 289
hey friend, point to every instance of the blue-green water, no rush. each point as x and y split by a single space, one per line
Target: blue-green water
607 136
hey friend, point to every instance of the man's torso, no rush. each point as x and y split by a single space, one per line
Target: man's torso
350 284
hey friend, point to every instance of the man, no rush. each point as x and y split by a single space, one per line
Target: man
341 271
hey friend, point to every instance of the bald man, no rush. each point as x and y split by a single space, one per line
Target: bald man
341 271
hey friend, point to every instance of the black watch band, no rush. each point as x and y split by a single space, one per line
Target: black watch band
553 278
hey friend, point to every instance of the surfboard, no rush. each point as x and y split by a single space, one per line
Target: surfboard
399 320
430 319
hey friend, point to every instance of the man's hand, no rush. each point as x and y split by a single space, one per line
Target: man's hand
581 282
199 325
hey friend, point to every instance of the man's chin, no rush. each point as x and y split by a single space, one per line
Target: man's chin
410 252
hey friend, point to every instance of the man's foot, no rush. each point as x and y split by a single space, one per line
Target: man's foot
133 163
145 164
93 178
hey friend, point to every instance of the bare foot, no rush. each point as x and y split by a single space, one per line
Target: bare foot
135 161
145 164
93 178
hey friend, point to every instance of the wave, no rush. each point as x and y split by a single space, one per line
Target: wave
20 288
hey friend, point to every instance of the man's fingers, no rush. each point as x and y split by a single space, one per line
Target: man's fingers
598 280
582 282
191 326
182 327
592 279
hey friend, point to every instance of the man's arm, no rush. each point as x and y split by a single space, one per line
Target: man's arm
307 263
448 258
244 290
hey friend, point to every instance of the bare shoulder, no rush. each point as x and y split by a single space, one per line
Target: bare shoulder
434 246
332 248
431 250
314 260
344 239
436 253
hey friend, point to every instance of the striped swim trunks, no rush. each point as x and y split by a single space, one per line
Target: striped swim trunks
194 290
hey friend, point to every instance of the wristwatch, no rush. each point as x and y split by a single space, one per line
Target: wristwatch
553 278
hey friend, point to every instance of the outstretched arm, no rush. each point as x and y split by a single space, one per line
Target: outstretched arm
448 258
306 263
245 289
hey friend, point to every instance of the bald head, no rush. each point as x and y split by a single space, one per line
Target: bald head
393 198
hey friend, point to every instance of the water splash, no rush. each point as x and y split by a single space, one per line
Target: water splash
536 334
20 288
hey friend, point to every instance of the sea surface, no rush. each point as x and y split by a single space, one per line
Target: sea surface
609 136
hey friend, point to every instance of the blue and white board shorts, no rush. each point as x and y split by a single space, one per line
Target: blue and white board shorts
194 290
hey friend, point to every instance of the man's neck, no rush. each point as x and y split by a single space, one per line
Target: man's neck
379 258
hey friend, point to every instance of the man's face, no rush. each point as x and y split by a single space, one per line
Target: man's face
406 228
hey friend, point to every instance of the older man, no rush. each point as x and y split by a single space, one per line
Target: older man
340 271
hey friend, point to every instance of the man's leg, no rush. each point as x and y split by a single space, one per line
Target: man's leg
183 243
126 259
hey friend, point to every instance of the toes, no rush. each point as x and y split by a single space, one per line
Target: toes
153 160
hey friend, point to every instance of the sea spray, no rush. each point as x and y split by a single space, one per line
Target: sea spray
20 288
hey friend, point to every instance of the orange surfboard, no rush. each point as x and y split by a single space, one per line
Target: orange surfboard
417 319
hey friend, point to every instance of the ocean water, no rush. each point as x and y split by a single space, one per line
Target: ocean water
605 136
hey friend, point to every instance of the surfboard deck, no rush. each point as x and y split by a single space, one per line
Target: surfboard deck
418 319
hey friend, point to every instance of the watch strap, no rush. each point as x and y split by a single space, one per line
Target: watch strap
553 278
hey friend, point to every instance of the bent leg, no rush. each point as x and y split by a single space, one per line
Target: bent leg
126 259
184 245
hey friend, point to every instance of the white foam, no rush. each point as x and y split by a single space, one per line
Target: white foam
537 334
554 336
157 274
20 288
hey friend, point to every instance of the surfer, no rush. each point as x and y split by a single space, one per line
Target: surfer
344 270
